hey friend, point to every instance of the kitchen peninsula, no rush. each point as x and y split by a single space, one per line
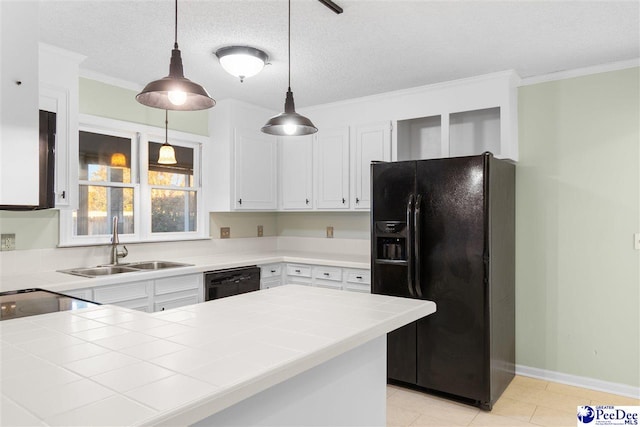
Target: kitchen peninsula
289 355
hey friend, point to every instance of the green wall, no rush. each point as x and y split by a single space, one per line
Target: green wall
578 205
104 100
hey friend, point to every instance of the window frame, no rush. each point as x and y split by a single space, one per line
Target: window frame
140 136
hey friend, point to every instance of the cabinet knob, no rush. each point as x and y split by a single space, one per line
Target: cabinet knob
64 194
273 271
359 277
297 271
306 201
326 274
357 200
239 201
343 200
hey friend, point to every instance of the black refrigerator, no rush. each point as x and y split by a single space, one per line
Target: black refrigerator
444 230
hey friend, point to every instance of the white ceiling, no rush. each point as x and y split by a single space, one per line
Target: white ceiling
373 47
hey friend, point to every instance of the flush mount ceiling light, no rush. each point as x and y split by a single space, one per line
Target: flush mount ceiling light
242 61
289 123
175 92
167 155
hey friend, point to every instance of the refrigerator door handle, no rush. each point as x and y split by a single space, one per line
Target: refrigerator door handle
416 240
409 246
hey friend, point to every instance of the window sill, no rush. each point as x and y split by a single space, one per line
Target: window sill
124 241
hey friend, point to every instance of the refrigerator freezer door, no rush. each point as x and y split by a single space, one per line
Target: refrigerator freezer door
451 343
392 189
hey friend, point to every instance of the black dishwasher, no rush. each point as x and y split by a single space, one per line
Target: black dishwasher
231 281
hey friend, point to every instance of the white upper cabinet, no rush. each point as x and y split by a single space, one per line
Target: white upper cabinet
461 118
255 161
239 161
19 147
296 172
372 143
59 93
332 165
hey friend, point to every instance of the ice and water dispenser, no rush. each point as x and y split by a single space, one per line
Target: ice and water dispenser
391 241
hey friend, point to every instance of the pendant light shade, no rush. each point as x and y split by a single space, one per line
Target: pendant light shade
289 123
167 155
242 61
175 91
118 160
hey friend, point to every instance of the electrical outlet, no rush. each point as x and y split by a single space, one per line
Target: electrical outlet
8 242
636 241
225 232
260 231
329 232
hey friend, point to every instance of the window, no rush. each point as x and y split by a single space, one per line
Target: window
118 176
173 195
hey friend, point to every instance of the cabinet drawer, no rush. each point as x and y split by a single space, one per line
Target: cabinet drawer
327 273
270 282
328 284
298 270
141 304
118 293
271 270
177 283
175 302
358 276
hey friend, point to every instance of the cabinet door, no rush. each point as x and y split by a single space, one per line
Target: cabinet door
373 143
19 147
296 172
255 170
332 153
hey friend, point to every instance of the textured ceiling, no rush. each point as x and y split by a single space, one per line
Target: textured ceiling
373 47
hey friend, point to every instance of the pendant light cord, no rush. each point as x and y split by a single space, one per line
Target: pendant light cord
175 40
166 126
289 44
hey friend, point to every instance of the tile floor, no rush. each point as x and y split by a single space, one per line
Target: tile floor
526 402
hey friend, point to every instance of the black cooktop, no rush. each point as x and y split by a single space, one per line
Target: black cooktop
30 302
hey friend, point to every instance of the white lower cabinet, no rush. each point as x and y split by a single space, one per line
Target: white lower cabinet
147 295
135 295
298 274
327 277
178 291
270 275
349 279
357 280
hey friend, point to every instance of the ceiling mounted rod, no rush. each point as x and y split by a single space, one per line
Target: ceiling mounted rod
331 5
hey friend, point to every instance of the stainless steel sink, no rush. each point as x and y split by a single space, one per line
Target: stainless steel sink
100 271
106 270
156 265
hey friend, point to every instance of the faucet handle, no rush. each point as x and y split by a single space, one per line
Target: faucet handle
124 252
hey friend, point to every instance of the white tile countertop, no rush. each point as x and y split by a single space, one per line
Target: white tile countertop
60 282
113 366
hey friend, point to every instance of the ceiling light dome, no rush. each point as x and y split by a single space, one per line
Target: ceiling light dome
242 61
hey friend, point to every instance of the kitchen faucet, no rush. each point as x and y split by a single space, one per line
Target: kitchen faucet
115 254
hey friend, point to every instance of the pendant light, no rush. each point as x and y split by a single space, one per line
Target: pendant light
289 123
175 92
167 155
118 160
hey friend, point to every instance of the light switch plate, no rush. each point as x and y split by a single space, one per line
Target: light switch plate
8 242
260 231
225 232
329 232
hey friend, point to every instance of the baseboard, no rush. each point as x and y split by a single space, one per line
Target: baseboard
575 380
